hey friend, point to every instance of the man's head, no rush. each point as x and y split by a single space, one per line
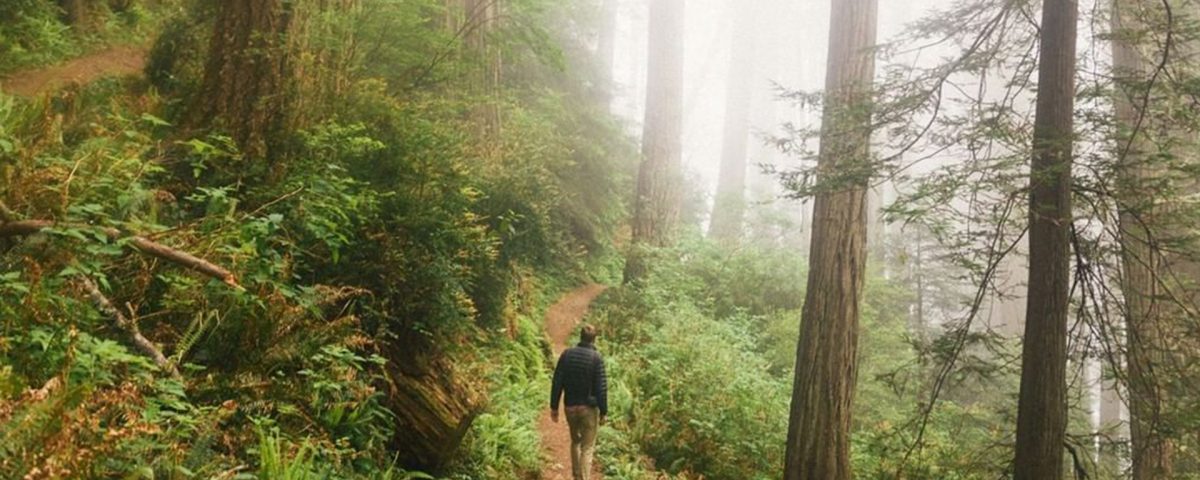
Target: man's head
587 335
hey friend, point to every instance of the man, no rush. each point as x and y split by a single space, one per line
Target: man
580 378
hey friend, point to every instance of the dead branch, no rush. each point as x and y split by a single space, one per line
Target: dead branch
6 214
145 345
139 243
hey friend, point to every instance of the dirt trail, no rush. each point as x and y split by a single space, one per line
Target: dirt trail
560 323
126 60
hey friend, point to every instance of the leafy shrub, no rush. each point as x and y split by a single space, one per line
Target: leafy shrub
31 34
504 442
703 365
699 397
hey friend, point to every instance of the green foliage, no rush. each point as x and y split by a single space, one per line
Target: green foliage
504 442
387 225
34 32
702 363
690 387
278 462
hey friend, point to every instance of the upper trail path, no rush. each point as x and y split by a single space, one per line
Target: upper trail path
115 61
561 320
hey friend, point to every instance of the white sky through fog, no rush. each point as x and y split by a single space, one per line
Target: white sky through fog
791 50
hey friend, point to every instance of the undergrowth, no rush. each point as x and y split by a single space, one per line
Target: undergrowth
383 232
36 32
701 361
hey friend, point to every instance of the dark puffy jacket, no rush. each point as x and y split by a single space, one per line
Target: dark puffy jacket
580 374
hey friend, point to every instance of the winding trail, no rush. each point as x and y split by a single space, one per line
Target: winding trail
561 320
115 61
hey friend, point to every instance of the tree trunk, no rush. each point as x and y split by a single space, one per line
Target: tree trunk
1142 263
818 444
482 20
1112 425
877 240
656 208
246 83
729 206
1042 409
75 12
606 50
452 15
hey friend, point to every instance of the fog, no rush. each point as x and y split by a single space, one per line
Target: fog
789 46
790 43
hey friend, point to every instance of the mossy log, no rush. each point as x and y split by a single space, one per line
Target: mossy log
434 407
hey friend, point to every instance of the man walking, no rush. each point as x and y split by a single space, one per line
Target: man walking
580 379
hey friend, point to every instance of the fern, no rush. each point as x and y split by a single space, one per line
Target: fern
195 330
275 464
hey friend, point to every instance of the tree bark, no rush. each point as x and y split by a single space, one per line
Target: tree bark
729 207
246 83
75 12
482 20
434 407
1042 409
1142 264
656 209
1111 425
818 444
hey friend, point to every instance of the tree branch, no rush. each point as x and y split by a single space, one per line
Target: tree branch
135 334
6 214
137 242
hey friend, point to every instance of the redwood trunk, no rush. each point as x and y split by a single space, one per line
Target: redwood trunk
1042 409
818 446
729 206
482 21
246 82
656 209
75 12
434 407
607 47
1142 264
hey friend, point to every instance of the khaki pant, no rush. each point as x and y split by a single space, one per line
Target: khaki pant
583 422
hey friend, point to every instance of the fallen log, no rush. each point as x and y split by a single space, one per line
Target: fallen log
434 407
139 243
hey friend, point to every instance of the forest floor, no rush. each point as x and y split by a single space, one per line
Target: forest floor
561 320
122 60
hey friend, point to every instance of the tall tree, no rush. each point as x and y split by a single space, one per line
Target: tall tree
656 208
1142 263
482 19
246 83
729 207
1042 409
818 443
606 49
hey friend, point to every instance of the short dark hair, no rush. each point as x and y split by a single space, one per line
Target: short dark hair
587 334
